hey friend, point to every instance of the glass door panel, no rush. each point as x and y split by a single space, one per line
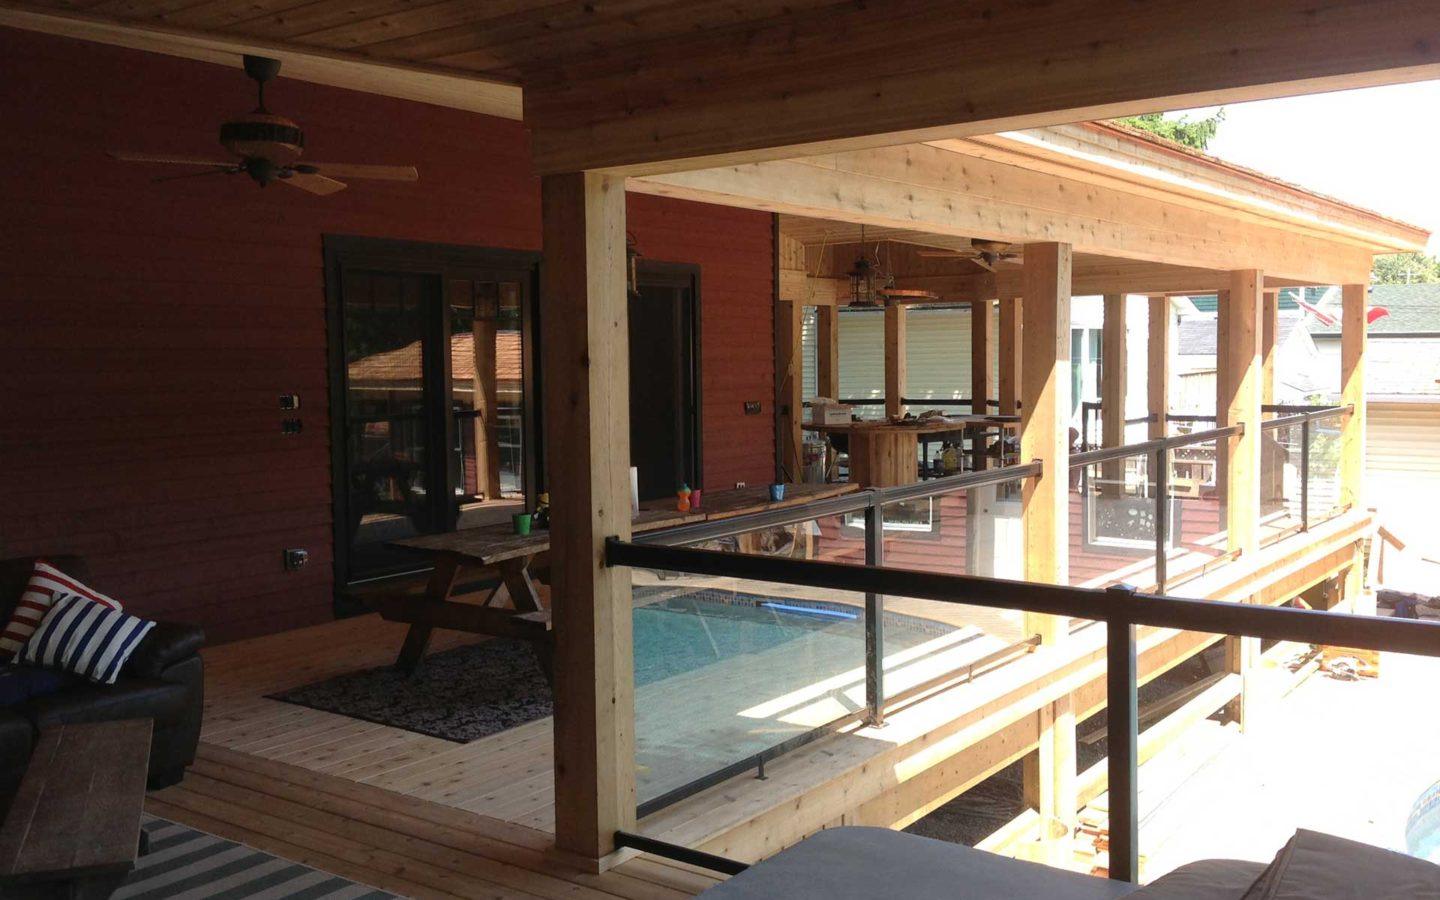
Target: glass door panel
387 429
487 399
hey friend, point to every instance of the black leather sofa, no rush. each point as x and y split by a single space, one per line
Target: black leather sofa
164 680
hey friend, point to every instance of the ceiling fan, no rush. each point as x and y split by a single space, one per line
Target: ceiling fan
986 254
268 147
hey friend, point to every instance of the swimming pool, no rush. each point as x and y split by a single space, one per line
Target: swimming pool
721 675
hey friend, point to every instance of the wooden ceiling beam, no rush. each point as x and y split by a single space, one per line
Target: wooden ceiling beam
940 191
869 75
425 84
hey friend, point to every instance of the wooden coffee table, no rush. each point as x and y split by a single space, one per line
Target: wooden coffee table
74 828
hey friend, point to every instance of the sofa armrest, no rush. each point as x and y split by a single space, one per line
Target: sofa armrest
167 643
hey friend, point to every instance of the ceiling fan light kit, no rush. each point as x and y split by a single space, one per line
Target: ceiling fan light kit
268 148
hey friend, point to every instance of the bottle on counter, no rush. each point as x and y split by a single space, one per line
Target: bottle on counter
682 498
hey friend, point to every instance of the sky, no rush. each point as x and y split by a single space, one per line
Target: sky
1374 147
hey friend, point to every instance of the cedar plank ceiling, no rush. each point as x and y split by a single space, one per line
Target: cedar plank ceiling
507 40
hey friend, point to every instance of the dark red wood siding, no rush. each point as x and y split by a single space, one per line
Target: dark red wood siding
148 330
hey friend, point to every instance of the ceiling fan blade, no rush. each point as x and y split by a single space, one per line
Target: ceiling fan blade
126 156
315 184
213 170
982 262
354 170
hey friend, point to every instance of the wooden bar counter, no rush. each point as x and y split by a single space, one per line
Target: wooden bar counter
885 454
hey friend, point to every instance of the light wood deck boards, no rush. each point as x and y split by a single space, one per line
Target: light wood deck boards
508 775
402 844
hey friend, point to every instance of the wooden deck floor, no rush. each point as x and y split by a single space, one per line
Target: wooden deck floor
412 814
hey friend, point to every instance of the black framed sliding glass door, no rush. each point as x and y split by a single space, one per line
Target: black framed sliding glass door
433 394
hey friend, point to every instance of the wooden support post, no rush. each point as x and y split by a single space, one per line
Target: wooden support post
1237 401
1010 356
1269 333
827 352
1113 372
982 364
1352 392
1158 376
1113 375
789 404
1044 423
587 413
894 359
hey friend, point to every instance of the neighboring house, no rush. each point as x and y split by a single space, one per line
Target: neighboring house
1299 367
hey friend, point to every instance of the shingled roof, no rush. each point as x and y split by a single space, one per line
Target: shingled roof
1414 310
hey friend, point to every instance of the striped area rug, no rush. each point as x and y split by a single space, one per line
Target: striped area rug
185 864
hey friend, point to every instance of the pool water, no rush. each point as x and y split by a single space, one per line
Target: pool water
721 675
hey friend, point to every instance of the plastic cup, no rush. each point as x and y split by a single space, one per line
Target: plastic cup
522 522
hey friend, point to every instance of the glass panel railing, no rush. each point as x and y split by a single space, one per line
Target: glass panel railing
971 531
1322 473
729 671
1113 514
1196 488
1281 469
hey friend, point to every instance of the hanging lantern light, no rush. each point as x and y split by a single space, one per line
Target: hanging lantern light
865 279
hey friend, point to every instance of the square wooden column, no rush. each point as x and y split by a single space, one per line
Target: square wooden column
982 364
587 416
894 358
1010 356
1158 375
1238 390
789 384
1237 402
1045 421
1269 333
1044 437
1113 372
1352 392
827 352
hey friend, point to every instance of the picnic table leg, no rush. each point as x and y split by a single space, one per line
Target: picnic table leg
515 575
442 581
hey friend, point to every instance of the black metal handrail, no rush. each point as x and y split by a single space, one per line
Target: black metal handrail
1121 608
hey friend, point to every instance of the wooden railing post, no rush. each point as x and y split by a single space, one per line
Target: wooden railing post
587 414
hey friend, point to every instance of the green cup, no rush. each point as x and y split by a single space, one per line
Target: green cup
522 523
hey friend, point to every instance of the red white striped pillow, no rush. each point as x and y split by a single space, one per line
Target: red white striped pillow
47 584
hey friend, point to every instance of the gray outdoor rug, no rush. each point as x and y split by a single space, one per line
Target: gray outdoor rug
459 695
185 864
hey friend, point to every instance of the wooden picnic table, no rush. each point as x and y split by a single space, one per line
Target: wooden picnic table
515 558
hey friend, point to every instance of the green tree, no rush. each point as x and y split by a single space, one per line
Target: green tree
1194 133
1405 268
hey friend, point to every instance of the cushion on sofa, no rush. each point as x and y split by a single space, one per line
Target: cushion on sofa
1314 865
167 644
46 586
85 637
1208 879
21 683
